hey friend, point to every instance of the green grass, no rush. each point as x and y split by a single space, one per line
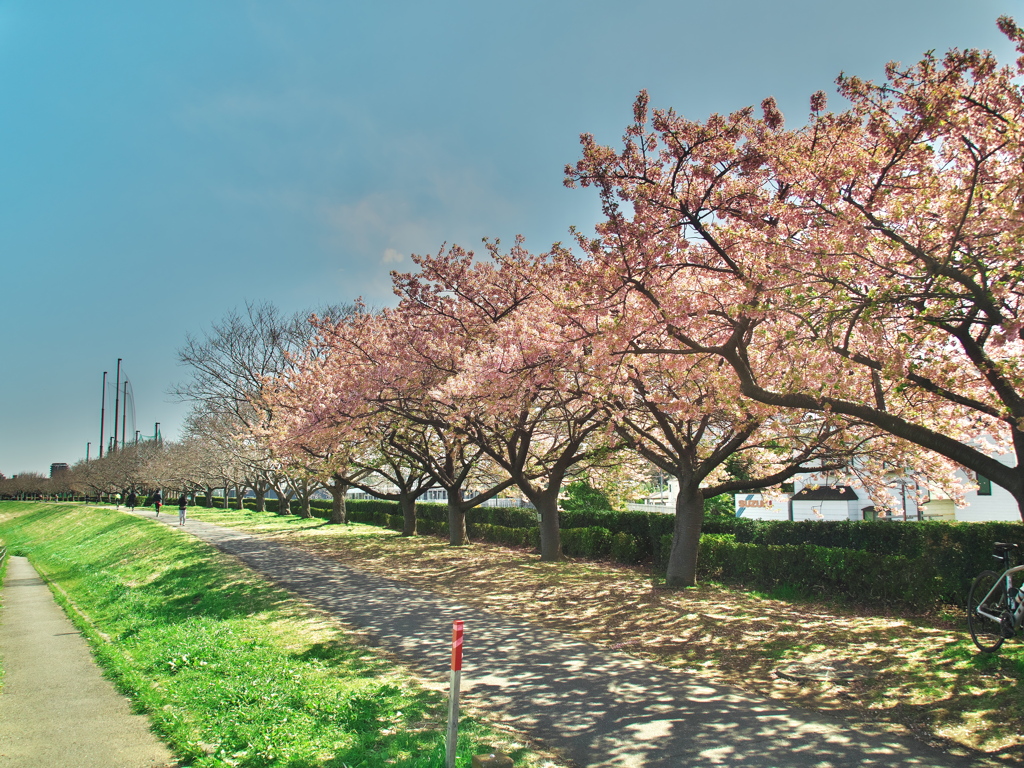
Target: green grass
266 522
3 575
231 672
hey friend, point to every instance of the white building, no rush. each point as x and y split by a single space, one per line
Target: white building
987 503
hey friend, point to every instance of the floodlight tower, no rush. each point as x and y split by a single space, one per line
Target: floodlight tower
103 411
117 401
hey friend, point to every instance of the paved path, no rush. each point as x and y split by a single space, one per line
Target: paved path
56 708
598 707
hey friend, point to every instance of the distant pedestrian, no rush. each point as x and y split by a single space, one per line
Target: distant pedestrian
158 501
117 500
132 500
182 503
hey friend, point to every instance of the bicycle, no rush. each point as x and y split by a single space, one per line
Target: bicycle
995 607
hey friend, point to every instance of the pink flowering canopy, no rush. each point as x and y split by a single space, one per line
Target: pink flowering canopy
866 264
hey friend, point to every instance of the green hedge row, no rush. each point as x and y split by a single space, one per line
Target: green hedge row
953 552
503 534
602 543
939 576
822 571
593 541
644 527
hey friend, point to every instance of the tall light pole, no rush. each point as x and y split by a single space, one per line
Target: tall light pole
124 413
117 401
103 411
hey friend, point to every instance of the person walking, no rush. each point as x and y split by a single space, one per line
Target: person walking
158 500
132 500
182 503
117 500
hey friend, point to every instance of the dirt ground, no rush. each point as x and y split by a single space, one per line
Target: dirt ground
919 674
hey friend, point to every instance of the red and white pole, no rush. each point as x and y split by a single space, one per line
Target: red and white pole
453 694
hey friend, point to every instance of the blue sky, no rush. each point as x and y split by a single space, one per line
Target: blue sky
162 163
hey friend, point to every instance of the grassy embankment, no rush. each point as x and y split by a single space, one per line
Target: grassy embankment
3 575
230 671
917 673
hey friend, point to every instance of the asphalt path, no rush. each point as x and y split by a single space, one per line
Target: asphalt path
56 708
597 707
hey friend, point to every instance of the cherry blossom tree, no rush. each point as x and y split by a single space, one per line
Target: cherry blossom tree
325 409
218 456
310 429
229 364
403 481
372 372
423 351
688 418
517 389
866 265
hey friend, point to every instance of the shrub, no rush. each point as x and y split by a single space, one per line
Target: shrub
821 571
581 496
508 517
626 549
659 525
662 552
593 541
954 552
722 505
499 534
719 524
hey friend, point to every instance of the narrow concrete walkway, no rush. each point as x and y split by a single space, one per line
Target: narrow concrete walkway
56 708
600 708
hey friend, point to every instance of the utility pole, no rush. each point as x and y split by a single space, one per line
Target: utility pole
156 434
87 447
103 411
136 437
117 401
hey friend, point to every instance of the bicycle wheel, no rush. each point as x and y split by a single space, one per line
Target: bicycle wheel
986 633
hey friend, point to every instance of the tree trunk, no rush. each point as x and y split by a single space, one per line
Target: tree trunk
457 535
682 562
261 498
283 503
304 511
408 504
208 497
550 529
338 489
239 498
227 501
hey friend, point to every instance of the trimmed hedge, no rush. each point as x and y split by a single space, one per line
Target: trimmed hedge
955 552
882 537
593 541
501 534
822 571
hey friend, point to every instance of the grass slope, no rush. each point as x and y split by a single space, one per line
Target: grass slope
231 672
3 575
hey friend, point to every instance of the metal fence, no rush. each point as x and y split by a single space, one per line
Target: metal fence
651 508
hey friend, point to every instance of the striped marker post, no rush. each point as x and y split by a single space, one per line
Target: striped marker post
453 694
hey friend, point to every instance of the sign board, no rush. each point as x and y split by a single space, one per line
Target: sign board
756 507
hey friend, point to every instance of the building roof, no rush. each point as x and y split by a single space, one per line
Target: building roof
826 493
